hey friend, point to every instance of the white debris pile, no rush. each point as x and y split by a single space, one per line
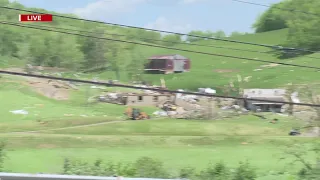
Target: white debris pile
190 98
23 112
187 98
148 91
109 97
160 113
207 91
97 87
178 112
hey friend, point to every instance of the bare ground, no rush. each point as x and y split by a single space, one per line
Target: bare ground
49 88
225 70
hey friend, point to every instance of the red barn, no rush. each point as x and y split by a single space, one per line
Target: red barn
168 64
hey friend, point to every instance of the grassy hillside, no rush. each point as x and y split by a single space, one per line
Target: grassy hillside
206 70
55 129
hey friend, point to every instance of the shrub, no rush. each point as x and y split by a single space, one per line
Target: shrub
2 155
146 167
244 172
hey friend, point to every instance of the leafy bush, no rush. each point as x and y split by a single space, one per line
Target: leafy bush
147 167
2 155
217 172
244 172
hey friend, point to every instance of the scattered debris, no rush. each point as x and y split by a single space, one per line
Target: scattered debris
23 112
270 65
97 87
160 113
207 91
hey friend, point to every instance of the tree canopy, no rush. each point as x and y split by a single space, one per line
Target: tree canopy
302 22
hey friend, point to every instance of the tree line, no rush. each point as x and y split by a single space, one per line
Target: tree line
302 22
52 49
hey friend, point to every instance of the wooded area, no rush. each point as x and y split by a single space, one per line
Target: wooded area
302 22
52 49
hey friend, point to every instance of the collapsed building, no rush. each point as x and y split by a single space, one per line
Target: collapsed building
137 99
278 95
131 99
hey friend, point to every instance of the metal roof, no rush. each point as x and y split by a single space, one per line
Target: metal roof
264 92
171 56
280 99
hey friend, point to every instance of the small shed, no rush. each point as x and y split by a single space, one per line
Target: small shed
168 64
264 94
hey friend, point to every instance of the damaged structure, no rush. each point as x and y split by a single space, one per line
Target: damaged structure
264 94
137 99
168 64
146 99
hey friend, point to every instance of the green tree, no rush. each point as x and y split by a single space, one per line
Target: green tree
236 34
118 57
135 68
94 50
171 39
273 18
218 34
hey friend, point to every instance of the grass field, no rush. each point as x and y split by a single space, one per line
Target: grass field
204 68
92 131
202 142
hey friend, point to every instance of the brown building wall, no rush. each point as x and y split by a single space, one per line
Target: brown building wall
147 100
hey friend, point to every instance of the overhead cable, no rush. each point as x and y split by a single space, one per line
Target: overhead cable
275 7
169 32
163 47
151 89
157 40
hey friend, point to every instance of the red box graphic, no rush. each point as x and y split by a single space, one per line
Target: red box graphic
35 17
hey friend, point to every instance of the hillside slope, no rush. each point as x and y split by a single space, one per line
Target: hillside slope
215 72
124 60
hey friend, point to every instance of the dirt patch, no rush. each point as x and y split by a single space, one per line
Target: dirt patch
50 88
49 69
313 132
47 146
270 65
225 70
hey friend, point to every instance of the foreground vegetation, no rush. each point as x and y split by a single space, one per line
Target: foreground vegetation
165 162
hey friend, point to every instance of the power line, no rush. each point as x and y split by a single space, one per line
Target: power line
271 6
169 32
184 43
164 47
157 40
151 89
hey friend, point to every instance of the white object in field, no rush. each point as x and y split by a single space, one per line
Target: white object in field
24 112
207 90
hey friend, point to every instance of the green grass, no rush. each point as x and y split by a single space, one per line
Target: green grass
177 143
202 66
47 152
243 125
51 160
14 96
